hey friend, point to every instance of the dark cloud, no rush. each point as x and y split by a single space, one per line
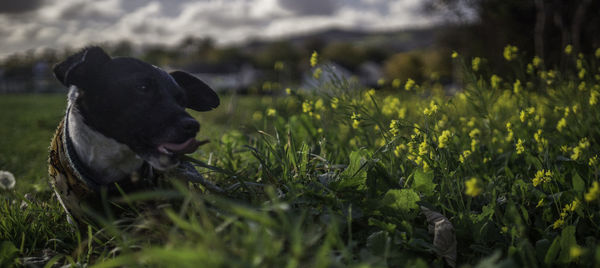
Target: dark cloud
310 7
19 6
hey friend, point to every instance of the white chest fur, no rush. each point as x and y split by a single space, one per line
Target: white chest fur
105 157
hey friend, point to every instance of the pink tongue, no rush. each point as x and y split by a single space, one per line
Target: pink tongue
186 147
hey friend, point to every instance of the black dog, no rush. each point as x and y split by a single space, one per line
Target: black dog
125 124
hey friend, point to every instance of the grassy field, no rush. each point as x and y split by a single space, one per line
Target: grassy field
504 173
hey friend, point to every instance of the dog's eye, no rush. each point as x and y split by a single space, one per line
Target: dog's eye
143 88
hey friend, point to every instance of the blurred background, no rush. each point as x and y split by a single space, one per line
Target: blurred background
264 46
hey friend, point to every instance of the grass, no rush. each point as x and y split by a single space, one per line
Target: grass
347 177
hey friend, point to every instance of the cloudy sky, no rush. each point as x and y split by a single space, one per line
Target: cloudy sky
35 24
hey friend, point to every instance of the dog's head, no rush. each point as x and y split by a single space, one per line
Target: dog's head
137 104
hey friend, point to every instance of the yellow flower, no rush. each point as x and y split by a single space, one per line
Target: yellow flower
306 106
314 58
597 54
594 97
443 139
593 192
399 149
257 116
334 103
472 187
475 63
592 162
575 251
510 52
558 223
464 156
288 91
520 147
381 82
396 83
278 66
319 105
409 84
540 203
568 49
562 123
517 87
455 54
495 81
271 112
431 110
355 120
423 148
395 127
317 73
542 176
536 61
581 74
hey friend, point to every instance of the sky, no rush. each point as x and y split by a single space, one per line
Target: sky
39 24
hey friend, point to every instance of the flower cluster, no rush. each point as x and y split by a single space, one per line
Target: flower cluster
541 177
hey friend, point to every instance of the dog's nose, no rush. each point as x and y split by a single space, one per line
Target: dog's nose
190 126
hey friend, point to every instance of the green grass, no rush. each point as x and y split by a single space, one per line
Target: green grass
345 176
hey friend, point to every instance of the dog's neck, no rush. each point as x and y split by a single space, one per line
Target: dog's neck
107 159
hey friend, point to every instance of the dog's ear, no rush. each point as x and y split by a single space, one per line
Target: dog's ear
73 70
200 96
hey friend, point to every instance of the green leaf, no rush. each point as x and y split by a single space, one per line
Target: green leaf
401 199
423 182
552 251
376 243
8 254
355 174
578 183
567 241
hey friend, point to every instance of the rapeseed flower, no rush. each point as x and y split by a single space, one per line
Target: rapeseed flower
443 139
475 64
257 116
536 61
271 112
593 161
594 96
541 177
423 148
562 123
520 148
510 52
575 252
569 49
465 154
314 59
7 180
581 74
395 127
399 149
472 187
495 81
517 87
355 120
334 103
593 193
433 108
558 223
396 83
317 73
455 54
409 84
